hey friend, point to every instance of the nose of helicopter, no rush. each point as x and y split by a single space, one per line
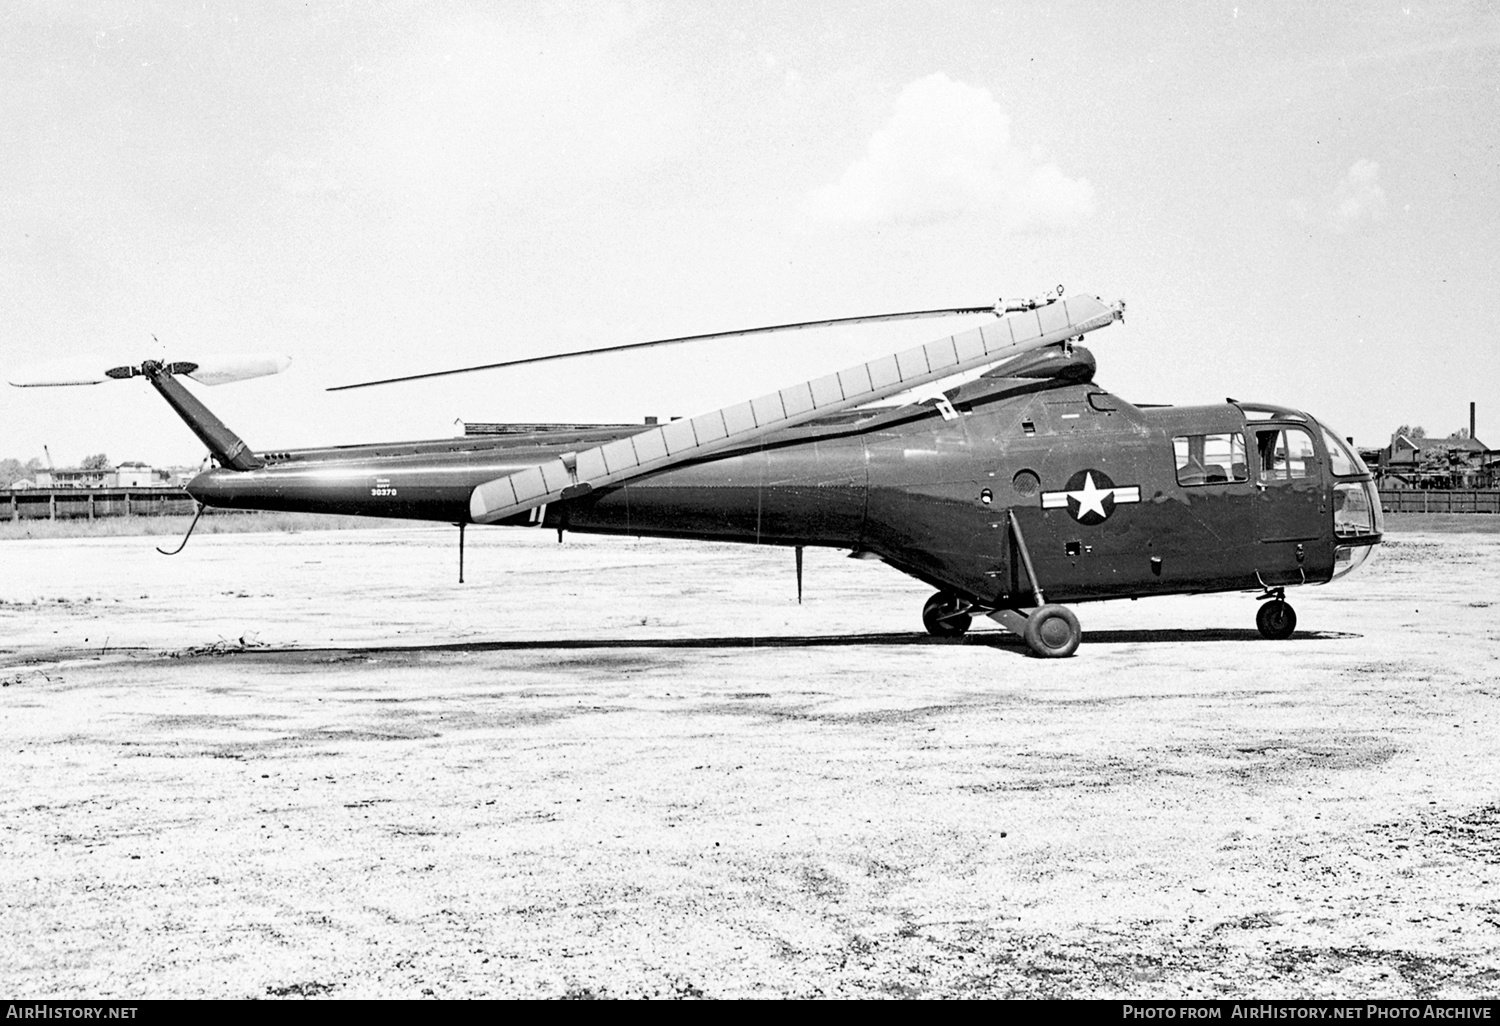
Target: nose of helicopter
1358 521
1358 525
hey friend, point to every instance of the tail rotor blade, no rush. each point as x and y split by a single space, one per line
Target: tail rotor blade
209 370
220 370
60 373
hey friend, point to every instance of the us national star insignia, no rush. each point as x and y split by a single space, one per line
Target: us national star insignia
1090 497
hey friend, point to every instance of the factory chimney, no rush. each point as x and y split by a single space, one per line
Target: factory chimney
1471 420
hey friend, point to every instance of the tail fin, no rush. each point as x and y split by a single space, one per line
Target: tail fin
227 447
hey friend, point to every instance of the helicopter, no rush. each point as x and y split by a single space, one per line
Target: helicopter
1013 494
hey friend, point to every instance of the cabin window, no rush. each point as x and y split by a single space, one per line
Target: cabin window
1286 454
1210 459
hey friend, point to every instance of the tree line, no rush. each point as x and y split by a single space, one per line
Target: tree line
1416 434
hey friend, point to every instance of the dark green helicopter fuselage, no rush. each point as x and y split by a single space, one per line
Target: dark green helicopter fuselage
1108 500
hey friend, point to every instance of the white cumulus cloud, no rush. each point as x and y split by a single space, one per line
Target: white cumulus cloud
947 152
1357 200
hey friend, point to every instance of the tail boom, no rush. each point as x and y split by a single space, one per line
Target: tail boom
228 448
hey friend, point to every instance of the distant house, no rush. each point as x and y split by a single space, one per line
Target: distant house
1452 462
131 474
1471 462
75 477
1403 449
141 475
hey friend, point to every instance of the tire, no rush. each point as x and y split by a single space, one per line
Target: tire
940 626
1276 620
1052 632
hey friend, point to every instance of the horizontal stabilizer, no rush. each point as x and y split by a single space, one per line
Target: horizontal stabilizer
210 370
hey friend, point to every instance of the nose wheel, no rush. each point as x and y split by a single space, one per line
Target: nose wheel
1276 619
946 615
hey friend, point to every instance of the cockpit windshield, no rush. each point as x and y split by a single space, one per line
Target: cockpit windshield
1358 520
1342 460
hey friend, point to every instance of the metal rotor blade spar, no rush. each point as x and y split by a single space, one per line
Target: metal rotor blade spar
910 315
574 475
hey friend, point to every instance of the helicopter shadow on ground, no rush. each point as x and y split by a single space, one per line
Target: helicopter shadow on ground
985 639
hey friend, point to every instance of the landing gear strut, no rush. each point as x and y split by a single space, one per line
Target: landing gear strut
946 615
1276 619
1051 631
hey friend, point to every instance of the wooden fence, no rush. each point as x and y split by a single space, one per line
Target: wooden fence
88 503
1435 500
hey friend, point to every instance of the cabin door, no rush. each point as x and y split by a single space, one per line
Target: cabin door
1290 505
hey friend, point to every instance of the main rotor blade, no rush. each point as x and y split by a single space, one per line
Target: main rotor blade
910 315
576 474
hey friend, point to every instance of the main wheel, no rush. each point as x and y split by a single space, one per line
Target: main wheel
1276 619
941 618
1052 632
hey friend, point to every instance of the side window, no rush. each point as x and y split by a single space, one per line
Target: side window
1210 459
1286 454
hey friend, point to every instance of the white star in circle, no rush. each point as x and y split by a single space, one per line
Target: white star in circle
1091 498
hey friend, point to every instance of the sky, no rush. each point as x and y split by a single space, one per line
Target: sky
1300 203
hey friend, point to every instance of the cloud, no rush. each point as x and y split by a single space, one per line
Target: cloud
1359 196
947 152
1357 200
